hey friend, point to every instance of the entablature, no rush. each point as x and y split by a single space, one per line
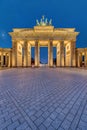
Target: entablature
5 49
81 50
45 35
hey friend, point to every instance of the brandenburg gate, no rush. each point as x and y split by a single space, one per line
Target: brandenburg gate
44 35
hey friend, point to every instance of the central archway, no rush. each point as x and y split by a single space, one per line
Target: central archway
43 56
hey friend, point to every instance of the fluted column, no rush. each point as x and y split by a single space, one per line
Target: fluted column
85 58
25 54
2 59
14 53
50 53
78 59
65 57
62 53
19 54
10 59
36 53
29 55
72 54
6 60
57 51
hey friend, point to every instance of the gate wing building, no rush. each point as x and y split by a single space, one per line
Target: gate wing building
43 35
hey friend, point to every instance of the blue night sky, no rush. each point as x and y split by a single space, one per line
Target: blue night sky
23 14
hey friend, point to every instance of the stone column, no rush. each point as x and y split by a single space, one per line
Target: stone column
19 54
36 54
85 58
78 59
6 60
25 54
65 59
2 59
9 60
50 54
72 54
60 54
57 52
29 55
14 53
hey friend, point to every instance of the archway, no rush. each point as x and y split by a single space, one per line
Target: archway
43 56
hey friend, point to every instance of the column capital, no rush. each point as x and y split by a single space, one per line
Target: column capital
14 40
50 40
61 41
73 41
2 52
25 41
25 44
36 41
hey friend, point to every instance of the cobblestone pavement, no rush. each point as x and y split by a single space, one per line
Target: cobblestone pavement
43 99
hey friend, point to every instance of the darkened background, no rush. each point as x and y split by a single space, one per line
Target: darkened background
23 14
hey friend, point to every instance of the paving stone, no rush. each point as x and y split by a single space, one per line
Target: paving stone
60 128
45 114
2 121
44 108
77 120
51 128
39 121
51 109
61 116
39 113
47 122
5 124
43 99
28 128
82 124
31 112
33 118
4 115
13 126
21 119
66 124
53 115
65 110
42 127
58 110
79 129
9 116
84 118
56 123
70 117
22 126
15 117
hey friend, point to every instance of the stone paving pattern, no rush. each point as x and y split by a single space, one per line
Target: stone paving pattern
43 99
